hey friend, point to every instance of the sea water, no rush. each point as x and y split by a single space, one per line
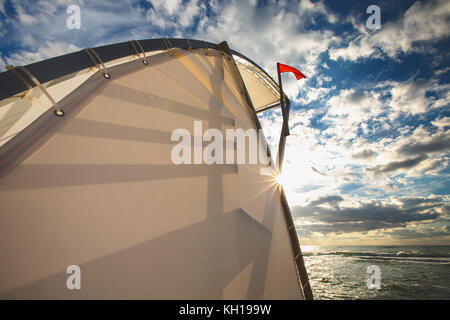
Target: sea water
407 272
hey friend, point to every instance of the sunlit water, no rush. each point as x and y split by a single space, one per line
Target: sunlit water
407 272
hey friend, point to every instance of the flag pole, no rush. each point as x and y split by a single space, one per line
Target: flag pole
285 127
301 269
280 85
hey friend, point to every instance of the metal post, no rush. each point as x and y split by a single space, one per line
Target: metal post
285 128
297 252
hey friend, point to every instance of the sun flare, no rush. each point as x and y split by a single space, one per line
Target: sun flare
281 179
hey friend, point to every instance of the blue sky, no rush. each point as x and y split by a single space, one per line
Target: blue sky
368 158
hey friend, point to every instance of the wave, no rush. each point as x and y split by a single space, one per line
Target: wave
440 257
408 259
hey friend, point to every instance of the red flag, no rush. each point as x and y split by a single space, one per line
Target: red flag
286 68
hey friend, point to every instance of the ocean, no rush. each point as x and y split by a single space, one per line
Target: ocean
405 272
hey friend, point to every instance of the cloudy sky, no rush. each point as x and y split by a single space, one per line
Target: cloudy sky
367 161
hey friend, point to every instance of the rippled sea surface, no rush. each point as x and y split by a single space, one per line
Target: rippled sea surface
407 272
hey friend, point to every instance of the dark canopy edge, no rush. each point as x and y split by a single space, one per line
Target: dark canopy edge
54 68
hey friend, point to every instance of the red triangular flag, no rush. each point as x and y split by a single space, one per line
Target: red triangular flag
285 68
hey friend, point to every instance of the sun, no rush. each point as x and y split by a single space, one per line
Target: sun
282 179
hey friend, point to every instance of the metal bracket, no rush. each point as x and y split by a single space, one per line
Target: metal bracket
205 47
58 111
269 107
168 45
97 61
189 46
144 58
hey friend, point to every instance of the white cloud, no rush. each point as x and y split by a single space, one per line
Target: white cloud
310 94
308 8
170 6
420 152
24 18
175 13
191 10
442 122
410 97
350 109
154 18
